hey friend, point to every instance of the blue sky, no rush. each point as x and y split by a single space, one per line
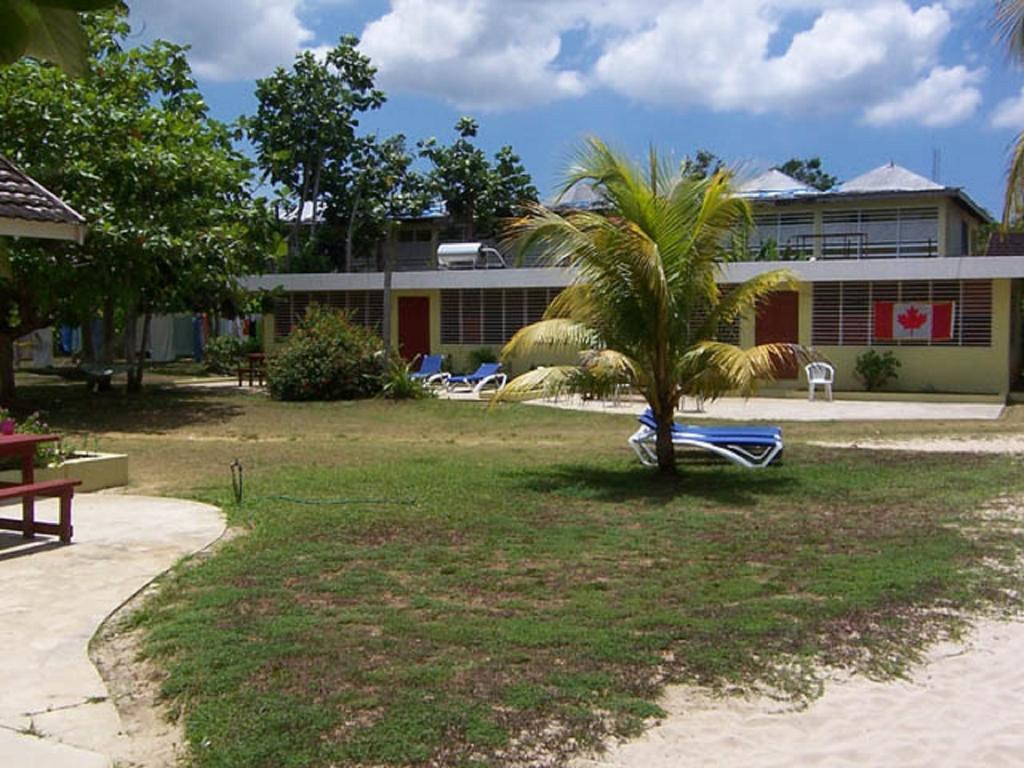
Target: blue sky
857 82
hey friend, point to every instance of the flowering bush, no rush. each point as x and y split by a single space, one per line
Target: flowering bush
327 357
47 454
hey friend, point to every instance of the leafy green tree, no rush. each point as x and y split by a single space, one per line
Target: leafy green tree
702 165
810 172
477 192
370 188
305 127
131 146
645 305
50 30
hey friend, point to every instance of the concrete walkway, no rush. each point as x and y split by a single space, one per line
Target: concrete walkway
54 708
790 409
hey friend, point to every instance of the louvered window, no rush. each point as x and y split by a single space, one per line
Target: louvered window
728 333
366 308
490 316
843 313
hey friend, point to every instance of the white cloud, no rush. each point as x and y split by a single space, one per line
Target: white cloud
230 39
875 58
945 97
475 53
1009 113
715 53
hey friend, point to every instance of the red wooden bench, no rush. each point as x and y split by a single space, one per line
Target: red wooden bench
63 489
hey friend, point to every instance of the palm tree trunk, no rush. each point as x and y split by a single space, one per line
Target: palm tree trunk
665 448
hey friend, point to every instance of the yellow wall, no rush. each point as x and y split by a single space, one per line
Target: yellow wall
969 370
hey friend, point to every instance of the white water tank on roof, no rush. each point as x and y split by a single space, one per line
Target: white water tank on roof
467 256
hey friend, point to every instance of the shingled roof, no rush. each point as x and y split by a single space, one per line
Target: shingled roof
28 209
1006 244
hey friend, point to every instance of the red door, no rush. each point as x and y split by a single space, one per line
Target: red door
778 322
413 326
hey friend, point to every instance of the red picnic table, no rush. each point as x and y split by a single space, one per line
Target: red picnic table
23 446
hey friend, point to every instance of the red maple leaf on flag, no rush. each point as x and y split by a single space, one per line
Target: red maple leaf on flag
912 319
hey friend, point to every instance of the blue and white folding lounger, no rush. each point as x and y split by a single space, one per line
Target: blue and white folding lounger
751 447
430 370
488 373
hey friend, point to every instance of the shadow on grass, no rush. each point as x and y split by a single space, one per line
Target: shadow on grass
696 479
157 409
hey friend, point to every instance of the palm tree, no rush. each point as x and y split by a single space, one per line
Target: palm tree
1010 23
645 302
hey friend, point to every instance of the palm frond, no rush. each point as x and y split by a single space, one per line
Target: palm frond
554 334
731 368
1010 26
540 382
743 299
1013 199
609 362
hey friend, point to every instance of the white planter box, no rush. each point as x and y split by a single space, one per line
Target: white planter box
95 470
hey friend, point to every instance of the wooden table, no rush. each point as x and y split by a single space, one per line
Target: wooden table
23 447
255 366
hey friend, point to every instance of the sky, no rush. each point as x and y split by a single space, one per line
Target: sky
857 82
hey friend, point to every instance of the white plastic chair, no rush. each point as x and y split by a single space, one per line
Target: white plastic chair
819 373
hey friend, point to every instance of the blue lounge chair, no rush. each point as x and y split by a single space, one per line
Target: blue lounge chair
430 370
751 447
488 373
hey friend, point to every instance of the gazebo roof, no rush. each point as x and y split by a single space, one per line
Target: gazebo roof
28 209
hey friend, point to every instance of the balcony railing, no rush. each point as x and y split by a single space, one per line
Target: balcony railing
853 245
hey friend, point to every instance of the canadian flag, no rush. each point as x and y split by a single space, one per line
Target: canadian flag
924 320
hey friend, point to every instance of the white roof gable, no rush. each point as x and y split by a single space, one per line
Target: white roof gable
889 178
773 181
582 194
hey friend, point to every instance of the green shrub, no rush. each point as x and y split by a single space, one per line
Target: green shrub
876 370
398 383
481 355
327 357
223 354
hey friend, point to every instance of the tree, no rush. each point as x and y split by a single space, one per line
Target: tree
477 192
808 171
130 145
1010 22
371 187
305 126
645 302
703 164
50 30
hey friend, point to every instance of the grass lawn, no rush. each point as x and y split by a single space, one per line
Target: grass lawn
436 584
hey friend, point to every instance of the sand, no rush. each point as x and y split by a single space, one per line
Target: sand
965 707
1007 445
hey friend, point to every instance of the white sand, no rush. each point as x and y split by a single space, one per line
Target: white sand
1006 444
964 708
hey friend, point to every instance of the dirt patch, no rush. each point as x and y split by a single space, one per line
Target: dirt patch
154 739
